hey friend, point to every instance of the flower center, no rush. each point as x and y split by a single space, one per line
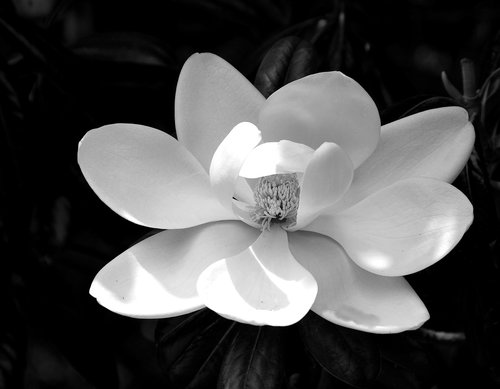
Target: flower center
277 200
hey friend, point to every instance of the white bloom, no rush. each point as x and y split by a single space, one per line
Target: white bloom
274 207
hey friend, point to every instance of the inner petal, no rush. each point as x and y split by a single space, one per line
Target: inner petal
326 179
263 285
228 158
276 158
323 107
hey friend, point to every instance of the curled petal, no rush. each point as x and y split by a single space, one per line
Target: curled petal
401 229
323 107
435 144
211 98
228 159
353 297
157 277
148 177
244 210
326 179
276 158
244 192
263 285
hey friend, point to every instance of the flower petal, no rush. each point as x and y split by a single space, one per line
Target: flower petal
228 159
400 229
157 277
435 144
211 98
353 297
148 177
276 158
244 210
323 107
263 285
244 192
326 179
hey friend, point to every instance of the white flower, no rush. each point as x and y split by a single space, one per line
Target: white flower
274 207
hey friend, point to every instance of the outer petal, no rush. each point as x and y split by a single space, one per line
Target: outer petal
228 159
211 98
157 277
352 297
435 144
148 177
276 158
326 179
401 229
263 285
323 107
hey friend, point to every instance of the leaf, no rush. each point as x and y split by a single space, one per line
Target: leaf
349 355
206 22
255 360
488 128
39 50
414 105
12 145
191 351
304 61
278 14
125 47
404 362
16 188
339 52
287 60
12 342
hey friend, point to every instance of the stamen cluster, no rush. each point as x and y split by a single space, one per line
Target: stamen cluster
277 200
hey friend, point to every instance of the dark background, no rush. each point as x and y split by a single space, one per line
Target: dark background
67 66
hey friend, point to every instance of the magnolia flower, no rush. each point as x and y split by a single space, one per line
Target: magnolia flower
275 207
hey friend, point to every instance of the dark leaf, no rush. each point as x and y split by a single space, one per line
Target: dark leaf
12 343
483 328
491 337
303 371
288 59
41 52
136 72
12 145
277 12
304 61
234 14
191 349
404 362
430 103
255 360
349 355
414 105
339 52
206 22
16 199
64 309
125 47
177 333
488 129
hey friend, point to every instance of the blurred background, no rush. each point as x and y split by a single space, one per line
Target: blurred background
67 66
